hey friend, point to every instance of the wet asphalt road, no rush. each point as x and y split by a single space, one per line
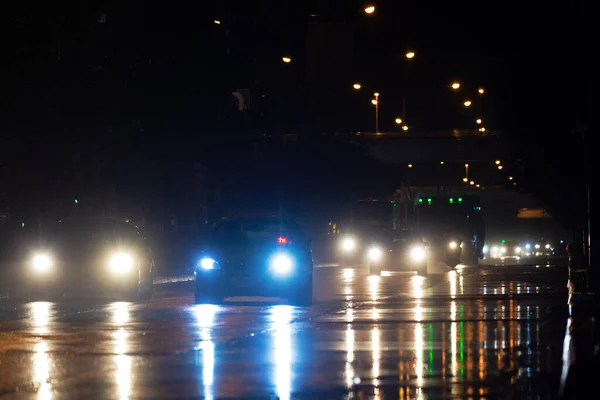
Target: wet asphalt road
488 332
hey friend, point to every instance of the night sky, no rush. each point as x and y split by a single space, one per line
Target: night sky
125 76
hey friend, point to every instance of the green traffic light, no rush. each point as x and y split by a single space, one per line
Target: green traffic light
420 201
451 200
429 200
503 241
460 199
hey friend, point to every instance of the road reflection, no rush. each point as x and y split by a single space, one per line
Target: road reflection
41 314
205 319
123 374
281 316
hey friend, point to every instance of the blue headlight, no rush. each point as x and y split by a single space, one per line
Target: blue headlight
207 263
282 264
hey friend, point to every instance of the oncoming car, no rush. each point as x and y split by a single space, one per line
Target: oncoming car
404 251
268 257
90 255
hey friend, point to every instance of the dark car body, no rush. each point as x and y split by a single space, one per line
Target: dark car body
244 256
83 251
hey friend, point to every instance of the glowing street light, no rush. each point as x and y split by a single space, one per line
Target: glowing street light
398 120
217 22
376 94
467 103
374 102
357 86
369 9
409 165
455 85
482 129
404 128
477 185
481 91
510 178
410 55
472 183
497 162
441 163
286 60
465 180
500 167
478 120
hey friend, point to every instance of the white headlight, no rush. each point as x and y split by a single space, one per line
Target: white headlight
537 246
207 263
418 253
121 262
282 264
503 250
453 245
517 249
42 262
374 254
348 244
528 246
547 246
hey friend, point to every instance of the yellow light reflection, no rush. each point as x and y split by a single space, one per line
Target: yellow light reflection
41 370
349 369
376 351
452 275
348 274
41 314
419 365
205 319
374 282
123 362
417 285
453 348
282 350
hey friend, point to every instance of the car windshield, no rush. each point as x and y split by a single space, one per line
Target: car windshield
255 232
84 232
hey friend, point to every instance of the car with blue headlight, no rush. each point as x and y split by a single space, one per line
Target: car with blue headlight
267 257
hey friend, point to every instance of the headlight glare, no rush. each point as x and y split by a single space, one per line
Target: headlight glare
418 253
282 264
207 263
453 245
348 244
122 262
42 262
374 254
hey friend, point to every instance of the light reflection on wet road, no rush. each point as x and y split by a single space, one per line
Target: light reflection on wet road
479 333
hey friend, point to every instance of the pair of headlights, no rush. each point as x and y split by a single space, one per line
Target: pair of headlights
120 262
281 264
417 253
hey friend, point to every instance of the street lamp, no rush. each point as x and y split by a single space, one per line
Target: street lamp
478 120
217 22
398 120
455 85
467 103
472 183
465 180
409 165
375 102
500 167
497 162
441 163
510 178
410 54
477 185
357 86
404 128
286 60
481 91
482 129
369 9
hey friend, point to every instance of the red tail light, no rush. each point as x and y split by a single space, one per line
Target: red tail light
282 240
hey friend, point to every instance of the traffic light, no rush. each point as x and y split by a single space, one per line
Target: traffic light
503 241
420 200
429 200
460 200
451 200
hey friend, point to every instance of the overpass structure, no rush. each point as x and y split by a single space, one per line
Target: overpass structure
439 158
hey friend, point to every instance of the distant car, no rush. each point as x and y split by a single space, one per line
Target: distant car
267 257
90 255
403 250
